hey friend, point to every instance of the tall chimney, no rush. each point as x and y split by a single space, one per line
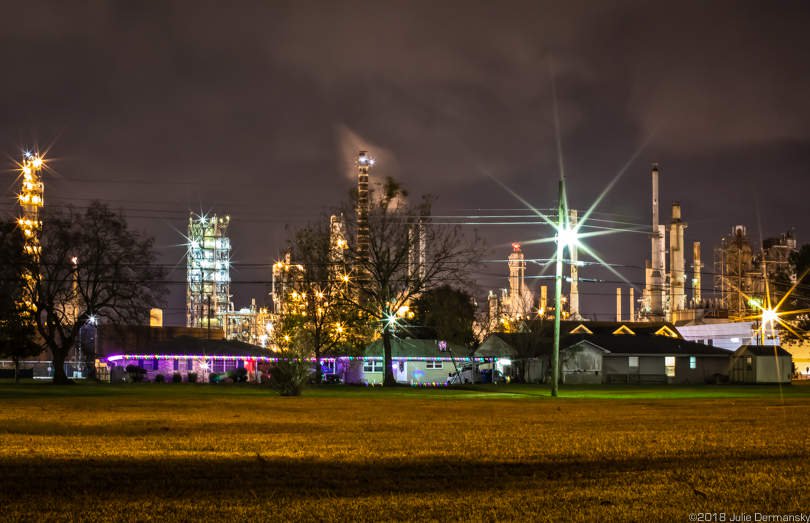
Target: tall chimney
658 253
696 267
364 163
573 300
632 304
618 304
677 276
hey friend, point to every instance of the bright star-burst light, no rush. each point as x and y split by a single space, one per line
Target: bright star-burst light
771 316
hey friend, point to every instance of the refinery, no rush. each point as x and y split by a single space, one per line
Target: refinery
730 313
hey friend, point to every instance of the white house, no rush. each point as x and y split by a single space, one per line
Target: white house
415 362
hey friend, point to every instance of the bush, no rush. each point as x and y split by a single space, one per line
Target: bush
136 374
177 378
289 377
159 378
238 375
213 378
191 377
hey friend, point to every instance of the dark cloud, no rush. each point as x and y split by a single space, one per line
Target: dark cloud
252 110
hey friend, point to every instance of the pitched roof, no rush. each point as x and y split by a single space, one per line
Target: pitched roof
761 350
413 348
530 345
187 346
639 328
647 345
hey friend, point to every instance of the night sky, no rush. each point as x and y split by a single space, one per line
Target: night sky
255 111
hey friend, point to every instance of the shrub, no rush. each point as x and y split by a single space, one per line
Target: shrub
192 377
214 378
238 375
289 377
159 378
136 374
177 378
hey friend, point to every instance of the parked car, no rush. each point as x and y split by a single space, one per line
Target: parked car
465 375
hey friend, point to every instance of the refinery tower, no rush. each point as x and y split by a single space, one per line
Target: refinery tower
208 270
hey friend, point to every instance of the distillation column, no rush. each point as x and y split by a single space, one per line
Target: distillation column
696 268
677 276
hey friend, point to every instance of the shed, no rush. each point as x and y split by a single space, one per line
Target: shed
761 364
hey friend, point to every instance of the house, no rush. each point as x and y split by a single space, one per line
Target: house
607 352
185 355
643 360
529 353
415 362
761 364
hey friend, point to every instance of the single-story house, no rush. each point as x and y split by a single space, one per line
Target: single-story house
185 355
761 364
647 359
529 353
415 362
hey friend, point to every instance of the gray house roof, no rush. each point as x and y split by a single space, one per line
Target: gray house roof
761 350
414 348
188 346
531 345
649 345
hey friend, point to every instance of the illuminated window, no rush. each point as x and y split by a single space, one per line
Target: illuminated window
669 363
372 366
433 364
632 361
692 362
219 366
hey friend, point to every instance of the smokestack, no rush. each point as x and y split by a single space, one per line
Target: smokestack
632 304
573 299
677 276
658 253
696 267
618 304
364 163
543 300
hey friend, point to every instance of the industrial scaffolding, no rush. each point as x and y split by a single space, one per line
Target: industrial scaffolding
32 199
208 270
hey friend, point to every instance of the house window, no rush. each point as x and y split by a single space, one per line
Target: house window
632 361
692 362
710 342
749 363
372 366
176 365
434 364
669 363
230 364
219 366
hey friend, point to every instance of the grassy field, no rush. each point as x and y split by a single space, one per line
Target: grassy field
188 452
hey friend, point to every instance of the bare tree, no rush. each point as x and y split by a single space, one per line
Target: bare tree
91 266
407 254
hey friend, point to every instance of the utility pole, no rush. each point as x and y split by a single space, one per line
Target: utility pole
555 354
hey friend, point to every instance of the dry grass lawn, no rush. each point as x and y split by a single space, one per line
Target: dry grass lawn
178 452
